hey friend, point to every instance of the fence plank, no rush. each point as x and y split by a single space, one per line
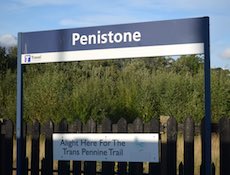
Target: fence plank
213 169
48 161
171 146
35 148
153 126
2 150
76 127
43 166
181 169
122 128
24 147
189 128
136 168
63 166
8 148
224 130
202 168
107 167
26 171
90 166
1 147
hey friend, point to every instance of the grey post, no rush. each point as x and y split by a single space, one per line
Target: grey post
19 123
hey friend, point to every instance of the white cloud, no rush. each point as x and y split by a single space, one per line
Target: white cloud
69 22
95 20
162 5
8 40
31 3
226 53
16 5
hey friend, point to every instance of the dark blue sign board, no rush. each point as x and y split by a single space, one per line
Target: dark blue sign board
147 39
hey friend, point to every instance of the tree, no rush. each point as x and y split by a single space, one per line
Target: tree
188 64
3 61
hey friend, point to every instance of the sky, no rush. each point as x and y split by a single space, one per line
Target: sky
37 15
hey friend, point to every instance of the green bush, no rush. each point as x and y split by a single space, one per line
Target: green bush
128 88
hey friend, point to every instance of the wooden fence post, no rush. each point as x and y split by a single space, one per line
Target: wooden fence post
224 130
122 128
63 165
136 168
189 146
35 148
153 126
90 166
76 127
47 163
171 146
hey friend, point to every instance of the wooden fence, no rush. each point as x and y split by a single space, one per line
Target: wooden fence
36 164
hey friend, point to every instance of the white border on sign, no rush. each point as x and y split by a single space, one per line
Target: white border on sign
115 53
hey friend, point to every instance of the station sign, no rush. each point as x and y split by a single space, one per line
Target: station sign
146 39
127 147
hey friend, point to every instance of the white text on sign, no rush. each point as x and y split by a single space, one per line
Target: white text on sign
104 38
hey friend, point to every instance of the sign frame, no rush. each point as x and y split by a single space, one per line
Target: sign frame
207 122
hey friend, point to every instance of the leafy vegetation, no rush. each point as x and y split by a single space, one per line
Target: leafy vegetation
130 88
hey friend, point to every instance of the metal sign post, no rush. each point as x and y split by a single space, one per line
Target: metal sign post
148 39
207 84
19 119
